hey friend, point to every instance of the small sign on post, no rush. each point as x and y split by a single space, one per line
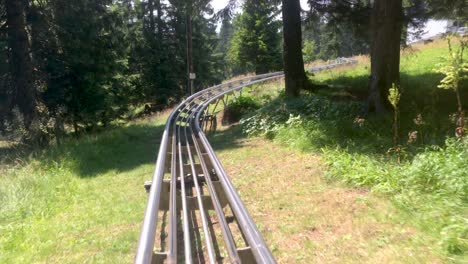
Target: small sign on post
193 76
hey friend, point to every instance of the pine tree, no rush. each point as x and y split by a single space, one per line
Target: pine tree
255 45
338 28
222 48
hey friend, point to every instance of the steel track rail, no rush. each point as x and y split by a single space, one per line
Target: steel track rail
194 165
145 251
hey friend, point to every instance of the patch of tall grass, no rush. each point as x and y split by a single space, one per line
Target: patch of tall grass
430 184
72 200
432 187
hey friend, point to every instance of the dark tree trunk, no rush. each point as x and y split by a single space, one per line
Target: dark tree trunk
151 16
159 19
295 77
386 26
20 61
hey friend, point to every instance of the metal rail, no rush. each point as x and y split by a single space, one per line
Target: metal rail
190 184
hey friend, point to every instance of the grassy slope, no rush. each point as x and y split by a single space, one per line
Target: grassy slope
84 202
80 202
418 80
306 219
431 189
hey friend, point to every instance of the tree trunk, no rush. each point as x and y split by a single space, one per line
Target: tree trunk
386 26
295 77
159 19
20 61
151 16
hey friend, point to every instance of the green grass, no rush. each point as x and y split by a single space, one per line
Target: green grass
430 186
82 201
306 218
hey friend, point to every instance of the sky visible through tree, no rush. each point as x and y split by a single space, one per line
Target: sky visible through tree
432 27
218 4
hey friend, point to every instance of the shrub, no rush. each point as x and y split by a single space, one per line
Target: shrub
241 106
275 115
432 186
308 51
455 70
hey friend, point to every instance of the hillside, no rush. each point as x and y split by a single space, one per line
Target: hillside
428 185
316 190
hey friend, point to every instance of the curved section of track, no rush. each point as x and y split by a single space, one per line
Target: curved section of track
192 204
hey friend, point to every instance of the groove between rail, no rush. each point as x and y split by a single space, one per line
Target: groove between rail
185 139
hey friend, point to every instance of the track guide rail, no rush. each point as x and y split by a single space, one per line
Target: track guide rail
201 216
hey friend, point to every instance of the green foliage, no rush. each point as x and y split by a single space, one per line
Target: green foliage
454 68
308 51
433 184
244 104
447 9
95 60
338 28
283 112
341 28
429 183
78 202
82 88
222 48
255 45
421 95
394 96
240 107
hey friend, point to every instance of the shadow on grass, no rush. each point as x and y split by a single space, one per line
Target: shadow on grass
228 138
125 148
419 91
117 149
326 124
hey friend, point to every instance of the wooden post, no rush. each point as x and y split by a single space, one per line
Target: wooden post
190 88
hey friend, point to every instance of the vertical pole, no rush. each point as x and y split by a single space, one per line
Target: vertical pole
192 89
189 53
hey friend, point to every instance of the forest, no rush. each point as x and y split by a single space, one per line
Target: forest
79 65
86 86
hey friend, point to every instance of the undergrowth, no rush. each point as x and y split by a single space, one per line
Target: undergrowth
432 187
431 183
239 107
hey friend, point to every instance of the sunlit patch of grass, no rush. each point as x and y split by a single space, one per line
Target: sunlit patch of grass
429 187
82 201
307 219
